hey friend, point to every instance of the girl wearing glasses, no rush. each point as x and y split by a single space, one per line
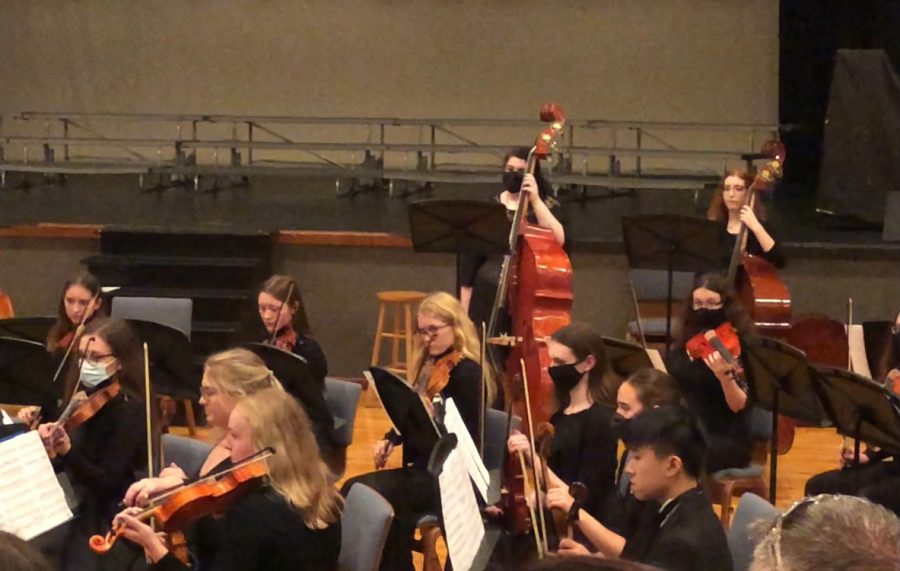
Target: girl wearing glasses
446 338
291 521
713 389
101 458
727 207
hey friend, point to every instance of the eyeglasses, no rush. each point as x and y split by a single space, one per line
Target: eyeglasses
94 358
431 330
794 514
707 304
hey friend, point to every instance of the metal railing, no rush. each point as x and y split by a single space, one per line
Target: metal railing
613 154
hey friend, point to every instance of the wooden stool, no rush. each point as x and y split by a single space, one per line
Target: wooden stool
401 304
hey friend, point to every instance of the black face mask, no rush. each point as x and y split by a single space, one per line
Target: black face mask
620 425
708 318
512 181
897 347
565 377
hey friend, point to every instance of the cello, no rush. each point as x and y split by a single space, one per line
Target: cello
536 285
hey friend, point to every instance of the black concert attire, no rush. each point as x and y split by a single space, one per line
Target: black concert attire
262 531
685 534
482 274
411 490
107 451
622 511
584 450
727 433
727 240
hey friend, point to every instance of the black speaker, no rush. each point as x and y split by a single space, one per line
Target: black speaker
891 232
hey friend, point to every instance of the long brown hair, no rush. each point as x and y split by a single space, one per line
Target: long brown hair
126 348
654 388
296 470
583 340
732 308
717 210
64 325
278 287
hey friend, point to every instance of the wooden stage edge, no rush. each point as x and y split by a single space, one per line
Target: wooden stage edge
287 237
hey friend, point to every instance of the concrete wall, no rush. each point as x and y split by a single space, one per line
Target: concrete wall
666 60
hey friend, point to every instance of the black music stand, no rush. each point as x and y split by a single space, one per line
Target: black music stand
292 371
625 358
30 328
672 243
26 376
860 408
459 226
781 381
170 359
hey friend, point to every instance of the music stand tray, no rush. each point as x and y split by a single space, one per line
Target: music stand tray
170 359
781 381
459 226
673 243
625 358
30 328
860 408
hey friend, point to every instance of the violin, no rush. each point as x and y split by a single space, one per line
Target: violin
86 409
439 376
213 494
723 339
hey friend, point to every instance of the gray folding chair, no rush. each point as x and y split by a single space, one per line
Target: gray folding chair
751 509
187 453
343 401
365 522
172 311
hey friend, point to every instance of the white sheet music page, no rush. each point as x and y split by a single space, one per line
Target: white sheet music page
31 499
454 424
462 519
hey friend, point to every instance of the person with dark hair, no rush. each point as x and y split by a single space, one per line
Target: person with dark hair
727 207
667 449
81 299
479 275
17 555
101 457
715 390
587 563
584 445
283 315
645 389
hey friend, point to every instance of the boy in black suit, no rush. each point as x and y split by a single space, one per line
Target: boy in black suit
667 451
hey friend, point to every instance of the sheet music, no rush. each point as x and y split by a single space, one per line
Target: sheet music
31 499
454 424
462 520
656 360
858 362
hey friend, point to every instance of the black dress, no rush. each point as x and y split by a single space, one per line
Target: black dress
411 489
262 531
107 451
727 240
728 433
584 450
685 535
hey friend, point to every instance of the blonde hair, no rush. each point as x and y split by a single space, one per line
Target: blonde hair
296 470
239 372
443 306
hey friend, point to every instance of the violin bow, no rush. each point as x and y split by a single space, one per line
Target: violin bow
280 311
542 538
67 411
482 402
637 314
78 331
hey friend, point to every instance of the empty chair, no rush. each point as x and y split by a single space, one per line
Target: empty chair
364 528
751 509
172 311
343 400
187 453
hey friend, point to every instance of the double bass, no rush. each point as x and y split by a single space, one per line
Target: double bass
536 286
